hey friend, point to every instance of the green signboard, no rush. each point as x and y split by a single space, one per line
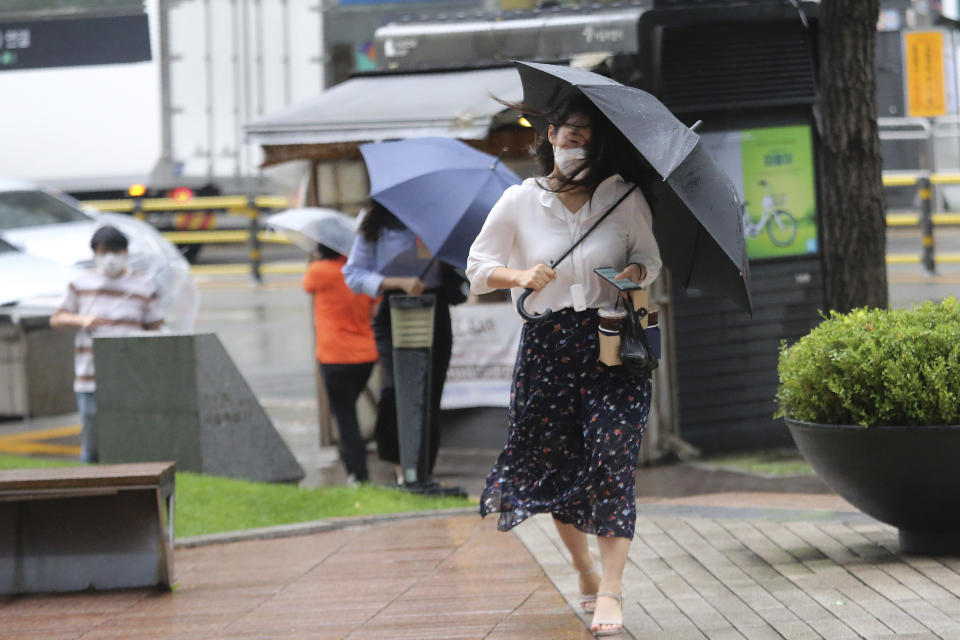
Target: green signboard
772 168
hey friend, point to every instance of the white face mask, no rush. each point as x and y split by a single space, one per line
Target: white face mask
111 265
570 160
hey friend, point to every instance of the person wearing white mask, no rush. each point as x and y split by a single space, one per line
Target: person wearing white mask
575 423
109 299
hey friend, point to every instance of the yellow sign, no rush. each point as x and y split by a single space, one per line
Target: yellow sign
923 63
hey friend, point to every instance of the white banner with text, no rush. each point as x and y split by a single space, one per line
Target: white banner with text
485 342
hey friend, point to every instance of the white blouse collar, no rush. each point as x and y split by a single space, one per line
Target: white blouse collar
603 196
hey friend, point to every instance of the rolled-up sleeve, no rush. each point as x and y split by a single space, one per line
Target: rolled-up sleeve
493 246
360 271
643 245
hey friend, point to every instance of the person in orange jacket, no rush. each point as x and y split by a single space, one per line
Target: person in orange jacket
345 350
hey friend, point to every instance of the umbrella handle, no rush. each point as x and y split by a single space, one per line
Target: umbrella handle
533 317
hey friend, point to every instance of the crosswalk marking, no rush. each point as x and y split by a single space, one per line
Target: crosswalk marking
33 442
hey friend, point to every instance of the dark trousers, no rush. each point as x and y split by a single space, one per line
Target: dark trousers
345 383
388 443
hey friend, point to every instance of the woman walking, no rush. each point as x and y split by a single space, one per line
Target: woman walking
345 351
387 259
575 423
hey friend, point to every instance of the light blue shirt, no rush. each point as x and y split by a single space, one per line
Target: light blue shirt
393 254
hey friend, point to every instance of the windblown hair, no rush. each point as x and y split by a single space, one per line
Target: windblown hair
376 220
608 153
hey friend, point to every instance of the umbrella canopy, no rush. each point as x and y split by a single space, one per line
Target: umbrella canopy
440 188
697 212
308 226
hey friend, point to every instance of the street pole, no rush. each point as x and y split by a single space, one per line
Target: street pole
926 224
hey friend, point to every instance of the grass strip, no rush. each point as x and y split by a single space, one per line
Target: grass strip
209 504
775 463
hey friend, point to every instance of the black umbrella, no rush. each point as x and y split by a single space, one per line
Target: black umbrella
697 213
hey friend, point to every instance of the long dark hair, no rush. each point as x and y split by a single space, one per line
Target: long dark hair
376 220
608 153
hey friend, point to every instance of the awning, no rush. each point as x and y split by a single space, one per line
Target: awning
449 104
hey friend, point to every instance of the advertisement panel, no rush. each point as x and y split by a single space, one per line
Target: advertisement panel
772 169
925 73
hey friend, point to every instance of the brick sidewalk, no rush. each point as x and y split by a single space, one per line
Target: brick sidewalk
761 566
420 579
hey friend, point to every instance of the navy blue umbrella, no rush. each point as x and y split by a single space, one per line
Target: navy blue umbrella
440 188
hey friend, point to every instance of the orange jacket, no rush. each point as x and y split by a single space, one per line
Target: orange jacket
341 318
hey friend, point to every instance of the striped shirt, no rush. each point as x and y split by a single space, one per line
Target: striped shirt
127 303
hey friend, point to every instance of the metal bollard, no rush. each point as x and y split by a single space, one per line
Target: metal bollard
411 323
256 255
926 224
137 209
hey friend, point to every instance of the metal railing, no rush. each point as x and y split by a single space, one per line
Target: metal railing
921 154
252 207
925 218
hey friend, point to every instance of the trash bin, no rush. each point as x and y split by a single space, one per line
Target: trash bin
411 322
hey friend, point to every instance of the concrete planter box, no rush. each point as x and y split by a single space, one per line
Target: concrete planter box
907 477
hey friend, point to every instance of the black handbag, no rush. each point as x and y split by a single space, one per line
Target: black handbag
635 351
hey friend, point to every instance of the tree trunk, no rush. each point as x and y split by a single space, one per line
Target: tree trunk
853 222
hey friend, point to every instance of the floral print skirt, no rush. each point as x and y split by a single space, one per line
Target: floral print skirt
575 431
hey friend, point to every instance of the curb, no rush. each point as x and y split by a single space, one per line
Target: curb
315 526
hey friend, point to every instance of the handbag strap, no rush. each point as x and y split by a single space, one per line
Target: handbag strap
593 226
642 311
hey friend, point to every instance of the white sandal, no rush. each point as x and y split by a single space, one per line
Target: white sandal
617 624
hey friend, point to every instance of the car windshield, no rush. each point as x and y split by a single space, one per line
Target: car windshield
34 209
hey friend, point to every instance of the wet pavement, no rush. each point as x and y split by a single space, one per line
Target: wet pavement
266 329
452 577
718 554
760 566
718 566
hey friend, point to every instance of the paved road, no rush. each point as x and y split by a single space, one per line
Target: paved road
266 329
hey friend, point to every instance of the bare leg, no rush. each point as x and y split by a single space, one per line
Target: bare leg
613 558
576 543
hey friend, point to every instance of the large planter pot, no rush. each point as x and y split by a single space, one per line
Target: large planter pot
908 477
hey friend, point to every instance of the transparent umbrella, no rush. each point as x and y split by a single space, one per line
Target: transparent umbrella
151 254
308 226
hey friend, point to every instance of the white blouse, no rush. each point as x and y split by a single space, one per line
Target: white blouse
530 225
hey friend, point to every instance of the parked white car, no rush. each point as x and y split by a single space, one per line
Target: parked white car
30 280
41 227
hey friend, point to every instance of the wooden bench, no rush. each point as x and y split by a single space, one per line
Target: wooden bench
92 527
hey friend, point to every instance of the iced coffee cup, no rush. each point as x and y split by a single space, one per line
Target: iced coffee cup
611 326
612 319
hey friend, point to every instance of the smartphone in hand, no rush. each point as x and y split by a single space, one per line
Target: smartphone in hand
609 274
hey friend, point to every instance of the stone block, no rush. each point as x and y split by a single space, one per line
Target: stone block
181 397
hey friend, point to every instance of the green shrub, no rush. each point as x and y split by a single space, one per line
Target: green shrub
871 367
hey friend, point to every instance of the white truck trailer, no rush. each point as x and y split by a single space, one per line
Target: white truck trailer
98 95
